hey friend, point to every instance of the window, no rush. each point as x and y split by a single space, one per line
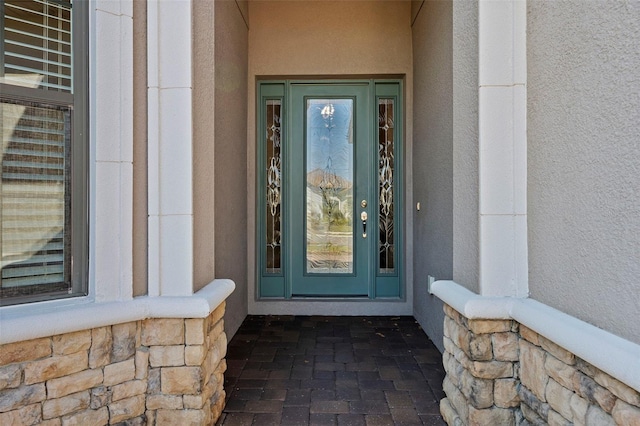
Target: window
44 97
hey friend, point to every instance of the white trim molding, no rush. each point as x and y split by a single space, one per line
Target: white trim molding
111 152
18 325
612 354
170 202
502 126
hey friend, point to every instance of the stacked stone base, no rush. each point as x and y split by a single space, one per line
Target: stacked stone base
481 361
501 373
559 388
155 371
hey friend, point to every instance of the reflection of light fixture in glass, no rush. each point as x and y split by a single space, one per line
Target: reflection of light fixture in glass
327 111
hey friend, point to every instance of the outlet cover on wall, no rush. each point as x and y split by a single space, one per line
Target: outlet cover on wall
430 280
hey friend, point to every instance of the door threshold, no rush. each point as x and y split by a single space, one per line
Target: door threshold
329 297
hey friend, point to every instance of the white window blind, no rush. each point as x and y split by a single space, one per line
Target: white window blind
35 143
37 44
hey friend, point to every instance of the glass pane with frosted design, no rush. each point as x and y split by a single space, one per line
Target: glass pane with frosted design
386 169
329 186
273 249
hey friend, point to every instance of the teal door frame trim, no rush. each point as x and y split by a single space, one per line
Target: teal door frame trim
276 283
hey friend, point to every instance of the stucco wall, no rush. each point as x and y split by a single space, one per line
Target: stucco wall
584 160
432 159
203 143
231 156
140 178
324 39
219 116
465 144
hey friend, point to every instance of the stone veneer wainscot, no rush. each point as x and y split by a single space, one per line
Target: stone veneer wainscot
500 372
153 371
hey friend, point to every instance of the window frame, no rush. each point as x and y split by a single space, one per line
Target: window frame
78 181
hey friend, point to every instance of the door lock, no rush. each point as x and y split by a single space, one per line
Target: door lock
363 217
363 204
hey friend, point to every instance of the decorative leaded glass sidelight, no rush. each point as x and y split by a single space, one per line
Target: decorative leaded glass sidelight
386 169
273 249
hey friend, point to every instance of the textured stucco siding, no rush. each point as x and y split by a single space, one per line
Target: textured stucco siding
140 164
231 53
220 167
465 144
203 143
584 160
432 159
329 38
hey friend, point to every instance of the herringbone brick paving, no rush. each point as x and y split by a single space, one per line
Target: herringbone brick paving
315 370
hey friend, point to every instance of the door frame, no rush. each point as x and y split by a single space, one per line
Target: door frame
277 285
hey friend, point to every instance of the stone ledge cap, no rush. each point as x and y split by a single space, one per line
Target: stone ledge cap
200 305
46 319
471 305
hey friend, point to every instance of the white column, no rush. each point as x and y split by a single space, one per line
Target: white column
112 150
170 148
503 148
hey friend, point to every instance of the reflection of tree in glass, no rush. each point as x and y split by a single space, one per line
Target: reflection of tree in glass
329 166
329 136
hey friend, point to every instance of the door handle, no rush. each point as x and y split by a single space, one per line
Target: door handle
363 217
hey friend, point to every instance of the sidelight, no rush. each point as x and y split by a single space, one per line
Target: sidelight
273 120
386 165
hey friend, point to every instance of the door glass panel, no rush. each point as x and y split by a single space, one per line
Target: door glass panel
274 187
330 176
385 178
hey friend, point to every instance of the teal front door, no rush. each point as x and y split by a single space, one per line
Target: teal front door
329 189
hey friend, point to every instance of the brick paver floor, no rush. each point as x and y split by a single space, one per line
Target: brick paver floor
314 370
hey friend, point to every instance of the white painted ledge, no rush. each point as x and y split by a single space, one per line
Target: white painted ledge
19 325
618 357
200 305
470 304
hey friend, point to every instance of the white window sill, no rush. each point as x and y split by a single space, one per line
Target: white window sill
32 321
